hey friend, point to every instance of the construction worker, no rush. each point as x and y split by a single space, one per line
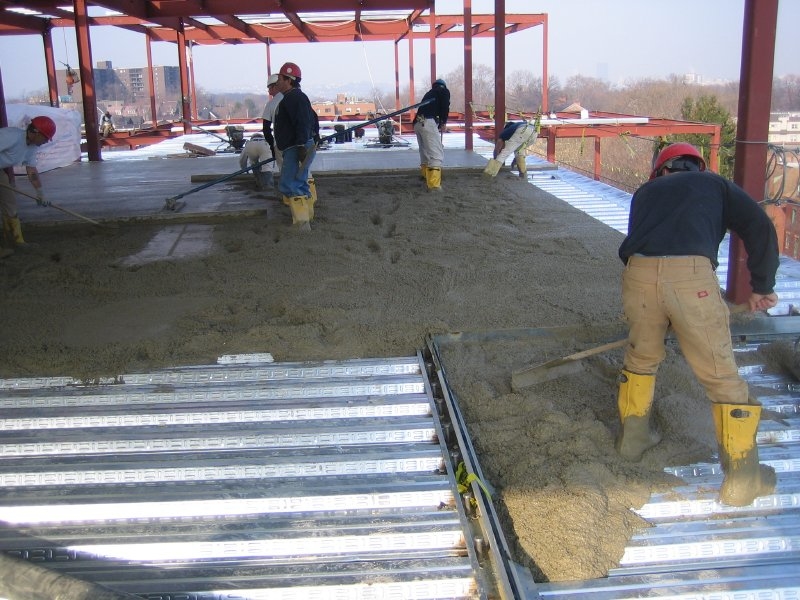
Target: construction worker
269 115
256 151
19 147
677 221
514 139
106 125
430 124
294 123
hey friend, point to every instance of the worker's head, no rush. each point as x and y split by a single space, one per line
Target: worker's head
289 76
257 136
677 157
271 82
41 130
439 82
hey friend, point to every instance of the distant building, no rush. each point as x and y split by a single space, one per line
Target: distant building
123 87
343 108
692 79
784 129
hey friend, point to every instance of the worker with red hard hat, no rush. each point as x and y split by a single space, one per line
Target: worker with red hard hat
19 147
677 221
296 126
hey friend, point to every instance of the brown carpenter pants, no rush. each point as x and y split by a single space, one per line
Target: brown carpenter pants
683 292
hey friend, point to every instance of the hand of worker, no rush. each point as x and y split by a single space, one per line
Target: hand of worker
40 199
301 153
759 302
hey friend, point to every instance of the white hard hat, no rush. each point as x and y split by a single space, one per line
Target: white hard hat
272 79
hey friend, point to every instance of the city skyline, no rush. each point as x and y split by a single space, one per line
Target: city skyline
593 39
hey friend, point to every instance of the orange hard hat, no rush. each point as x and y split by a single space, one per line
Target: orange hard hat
666 157
45 126
290 70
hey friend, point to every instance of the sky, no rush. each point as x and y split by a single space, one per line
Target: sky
615 40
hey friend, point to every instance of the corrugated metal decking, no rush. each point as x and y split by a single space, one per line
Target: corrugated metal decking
314 480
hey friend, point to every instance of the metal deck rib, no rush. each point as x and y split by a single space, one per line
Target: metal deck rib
257 480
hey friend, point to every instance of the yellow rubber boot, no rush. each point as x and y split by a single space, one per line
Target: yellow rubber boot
522 166
492 168
309 204
635 403
312 199
12 230
745 478
8 233
423 171
286 200
300 216
433 178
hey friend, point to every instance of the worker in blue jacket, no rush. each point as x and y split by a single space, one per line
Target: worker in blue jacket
430 124
296 126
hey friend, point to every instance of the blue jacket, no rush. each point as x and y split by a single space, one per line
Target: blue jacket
294 120
688 213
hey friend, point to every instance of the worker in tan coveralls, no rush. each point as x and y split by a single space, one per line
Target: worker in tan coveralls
677 221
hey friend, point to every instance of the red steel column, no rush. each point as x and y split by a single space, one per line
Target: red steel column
186 109
50 65
192 83
397 104
597 159
3 114
468 142
87 81
411 94
434 72
755 96
545 83
499 65
151 81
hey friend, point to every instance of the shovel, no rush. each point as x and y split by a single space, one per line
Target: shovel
557 367
566 365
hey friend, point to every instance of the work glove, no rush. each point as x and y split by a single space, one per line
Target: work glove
40 199
302 152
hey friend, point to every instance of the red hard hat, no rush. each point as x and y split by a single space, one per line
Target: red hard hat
290 70
45 126
674 151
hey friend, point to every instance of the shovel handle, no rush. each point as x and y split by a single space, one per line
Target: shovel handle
56 206
597 350
735 309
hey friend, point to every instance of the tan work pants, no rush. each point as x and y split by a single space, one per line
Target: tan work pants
682 292
8 198
429 140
